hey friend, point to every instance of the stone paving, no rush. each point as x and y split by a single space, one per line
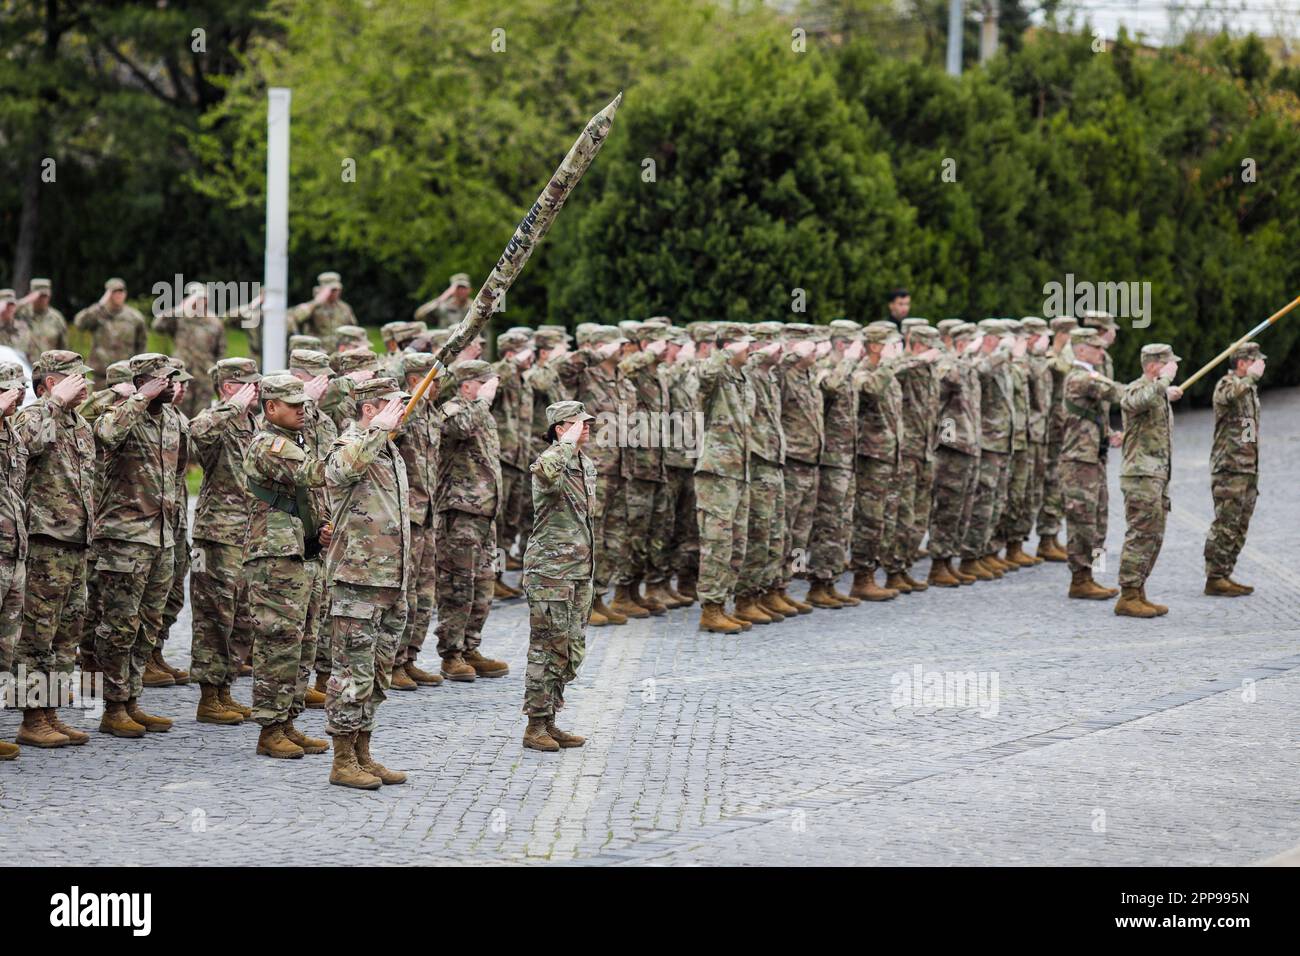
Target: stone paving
1085 738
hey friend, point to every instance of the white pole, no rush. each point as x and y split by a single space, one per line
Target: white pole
989 31
276 283
954 37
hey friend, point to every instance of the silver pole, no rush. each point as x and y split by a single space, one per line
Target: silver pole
276 284
954 37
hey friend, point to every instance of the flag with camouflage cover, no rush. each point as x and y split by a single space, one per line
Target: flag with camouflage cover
1240 342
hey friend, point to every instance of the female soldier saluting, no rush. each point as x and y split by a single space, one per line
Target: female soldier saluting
558 568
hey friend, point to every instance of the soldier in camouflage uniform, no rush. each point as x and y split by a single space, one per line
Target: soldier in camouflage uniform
559 563
223 624
347 338
1059 359
449 308
198 339
675 547
49 327
469 486
547 382
15 332
1086 438
1016 515
143 453
396 337
1144 475
996 387
307 343
324 313
513 410
877 460
722 475
353 367
956 459
804 430
13 557
1234 468
1039 374
117 331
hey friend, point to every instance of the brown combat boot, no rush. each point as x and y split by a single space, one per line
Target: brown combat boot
1049 550
486 666
1083 586
563 737
992 568
625 604
181 677
502 591
212 711
155 676
913 583
972 568
313 699
36 731
75 737
686 587
1220 587
421 676
345 771
455 668
245 669
963 577
272 742
228 702
747 609
819 595
1161 609
865 588
802 607
598 604
9 751
372 766
1243 589
537 738
1002 563
309 745
681 599
1130 604
659 592
848 600
941 575
401 680
595 618
731 616
712 619
656 607
150 722
895 581
770 603
1016 555
118 722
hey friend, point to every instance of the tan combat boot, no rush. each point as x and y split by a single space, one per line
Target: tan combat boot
848 600
345 771
309 745
712 619
686 587
1242 589
372 766
1016 555
151 723
913 583
1083 586
1130 604
681 599
625 605
772 605
421 676
272 742
228 702
212 711
455 668
941 575
486 666
1049 550
865 588
895 581
75 737
36 732
747 609
313 699
1220 587
731 616
400 680
659 592
972 568
1161 609
563 737
502 591
181 677
155 676
992 568
118 722
598 604
536 737
653 605
801 607
595 618
9 751
819 595
963 577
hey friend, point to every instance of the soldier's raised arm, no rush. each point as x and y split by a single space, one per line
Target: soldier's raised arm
114 424
278 459
1143 394
353 454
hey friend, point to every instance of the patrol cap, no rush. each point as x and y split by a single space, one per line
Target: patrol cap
549 336
767 331
310 343
356 360
153 364
1034 325
182 373
991 326
631 328
563 411
1098 319
946 326
512 339
351 333
964 329
606 335
59 362
732 332
702 331
472 370
312 361
927 334
1013 325
377 390
115 285
283 387
402 332
799 330
878 333
912 322
118 373
581 332
844 328
662 320
1159 352
12 375
1085 336
7 295
438 337
1064 323
459 279
656 333
1248 352
329 280
242 370
39 285
417 363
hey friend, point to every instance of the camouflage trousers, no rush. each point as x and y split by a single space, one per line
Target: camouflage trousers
1037 483
1146 505
1234 502
279 596
956 478
515 487
1052 506
13 582
990 499
315 635
421 591
764 551
722 510
221 620
675 543
801 481
133 582
557 640
367 624
610 529
875 513
176 596
1015 513
915 479
831 533
53 607
1083 486
465 561
645 504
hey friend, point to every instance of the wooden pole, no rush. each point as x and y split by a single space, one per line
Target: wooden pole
1240 342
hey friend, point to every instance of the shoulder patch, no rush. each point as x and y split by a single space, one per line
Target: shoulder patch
277 445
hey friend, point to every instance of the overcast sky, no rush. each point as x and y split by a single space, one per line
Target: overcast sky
1159 20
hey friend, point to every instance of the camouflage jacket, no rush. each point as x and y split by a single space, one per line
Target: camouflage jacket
839 412
562 543
200 342
420 444
337 402
18 336
513 410
1086 400
1020 404
113 335
221 436
767 438
98 403
644 454
320 320
728 405
919 382
1059 365
13 476
1040 398
602 393
880 412
997 388
684 405
143 458
958 421
547 386
801 411
444 315
278 459
469 466
60 491
1236 426
1148 429
49 328
372 516
319 434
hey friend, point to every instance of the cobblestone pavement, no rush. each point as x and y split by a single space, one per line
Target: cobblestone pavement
1104 740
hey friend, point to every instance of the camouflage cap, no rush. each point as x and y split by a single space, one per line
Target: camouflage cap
471 370
283 387
1064 323
1098 319
1248 352
242 370
964 329
799 330
60 362
377 390
844 329
355 361
991 326
438 337
152 364
581 332
911 322
1034 325
563 411
606 335
12 375
1159 352
946 326
311 343
312 361
403 332
417 363
1013 325
702 331
659 320
767 331
656 333
7 296
351 333
459 278
924 333
1085 336
549 336
733 332
115 285
878 333
329 280
182 373
118 373
631 328
512 339
40 285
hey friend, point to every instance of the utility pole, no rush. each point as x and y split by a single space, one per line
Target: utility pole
989 31
954 37
275 285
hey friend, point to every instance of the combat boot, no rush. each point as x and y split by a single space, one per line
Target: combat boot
625 605
659 592
563 737
9 751
770 603
36 731
1242 589
1016 555
686 587
895 581
245 669
595 618
1161 609
502 591
941 575
75 737
913 583
681 599
610 614
151 723
309 745
819 595
1220 587
212 711
155 676
272 742
747 609
345 771
973 568
181 677
422 677
118 722
962 576
455 668
536 737
653 605
400 680
1049 550
1130 604
712 619
802 607
486 666
313 699
372 766
1003 564
991 568
228 702
731 616
1083 586
865 588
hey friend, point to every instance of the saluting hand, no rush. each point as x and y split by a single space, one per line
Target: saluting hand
8 399
855 350
244 397
571 434
488 391
390 416
68 391
687 351
315 387
154 387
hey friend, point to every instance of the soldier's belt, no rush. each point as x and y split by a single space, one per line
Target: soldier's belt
1091 414
299 505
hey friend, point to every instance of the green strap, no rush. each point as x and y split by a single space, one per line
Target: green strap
273 498
299 506
1093 415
